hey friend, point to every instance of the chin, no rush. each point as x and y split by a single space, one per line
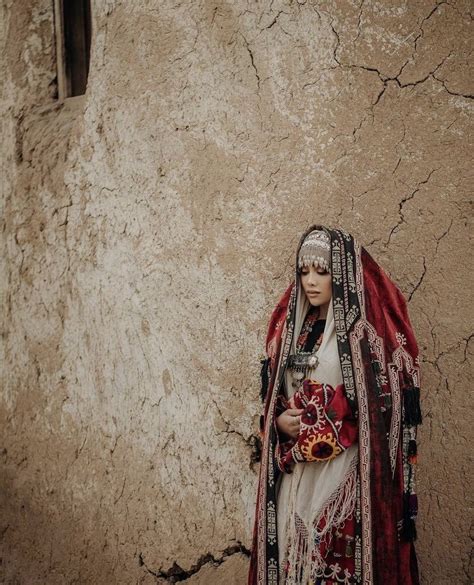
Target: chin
316 302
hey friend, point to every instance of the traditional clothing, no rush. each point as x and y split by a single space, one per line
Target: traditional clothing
338 505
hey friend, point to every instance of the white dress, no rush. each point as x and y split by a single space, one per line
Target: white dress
313 486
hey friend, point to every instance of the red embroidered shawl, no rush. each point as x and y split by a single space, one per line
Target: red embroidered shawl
380 366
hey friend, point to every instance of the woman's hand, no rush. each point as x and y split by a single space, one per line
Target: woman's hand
289 422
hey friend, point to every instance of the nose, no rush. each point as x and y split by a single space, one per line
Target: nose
312 276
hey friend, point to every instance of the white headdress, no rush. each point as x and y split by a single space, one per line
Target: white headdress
316 249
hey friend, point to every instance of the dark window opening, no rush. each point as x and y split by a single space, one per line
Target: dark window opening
74 40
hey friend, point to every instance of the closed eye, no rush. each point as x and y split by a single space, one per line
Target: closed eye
319 271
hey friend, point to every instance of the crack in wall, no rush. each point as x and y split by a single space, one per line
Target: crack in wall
176 573
275 20
359 20
252 441
401 204
385 79
252 60
468 96
420 280
425 19
443 235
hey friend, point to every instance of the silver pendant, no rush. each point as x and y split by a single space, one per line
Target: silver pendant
313 361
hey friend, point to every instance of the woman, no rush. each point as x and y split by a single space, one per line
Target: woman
340 390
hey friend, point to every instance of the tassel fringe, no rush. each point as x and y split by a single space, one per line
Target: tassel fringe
304 561
409 530
410 510
264 377
412 452
411 403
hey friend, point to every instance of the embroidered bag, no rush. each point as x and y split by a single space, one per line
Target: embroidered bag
327 425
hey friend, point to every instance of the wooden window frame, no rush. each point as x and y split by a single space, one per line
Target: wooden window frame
65 83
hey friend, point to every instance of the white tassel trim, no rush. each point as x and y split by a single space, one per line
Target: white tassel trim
305 561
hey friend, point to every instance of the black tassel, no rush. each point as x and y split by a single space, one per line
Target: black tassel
411 403
412 448
408 531
413 506
264 376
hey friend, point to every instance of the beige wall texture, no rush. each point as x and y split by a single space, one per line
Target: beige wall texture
148 229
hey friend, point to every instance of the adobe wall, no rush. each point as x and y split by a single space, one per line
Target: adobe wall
148 229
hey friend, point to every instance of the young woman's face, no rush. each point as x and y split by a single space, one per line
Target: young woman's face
317 284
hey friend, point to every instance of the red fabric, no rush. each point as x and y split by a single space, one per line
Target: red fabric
338 551
386 308
273 343
328 426
275 326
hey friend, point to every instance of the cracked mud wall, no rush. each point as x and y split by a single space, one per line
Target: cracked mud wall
148 228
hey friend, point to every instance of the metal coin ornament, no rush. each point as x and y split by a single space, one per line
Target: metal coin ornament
299 363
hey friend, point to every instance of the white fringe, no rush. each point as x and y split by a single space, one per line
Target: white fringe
305 561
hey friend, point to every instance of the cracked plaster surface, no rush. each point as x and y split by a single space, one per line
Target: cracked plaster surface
148 229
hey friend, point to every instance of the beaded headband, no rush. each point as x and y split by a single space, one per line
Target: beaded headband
316 249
